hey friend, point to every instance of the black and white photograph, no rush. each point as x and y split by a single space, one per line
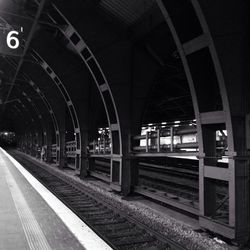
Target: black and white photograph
125 125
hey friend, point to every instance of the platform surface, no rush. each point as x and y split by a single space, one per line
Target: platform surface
31 217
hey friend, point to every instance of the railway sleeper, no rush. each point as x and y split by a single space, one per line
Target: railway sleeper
114 220
80 196
128 241
83 206
93 212
66 195
114 227
100 221
127 233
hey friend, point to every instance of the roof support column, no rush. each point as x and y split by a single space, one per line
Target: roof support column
84 160
62 132
48 144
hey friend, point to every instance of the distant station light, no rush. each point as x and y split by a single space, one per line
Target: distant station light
7 138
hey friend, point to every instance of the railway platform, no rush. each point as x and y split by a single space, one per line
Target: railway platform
31 217
179 227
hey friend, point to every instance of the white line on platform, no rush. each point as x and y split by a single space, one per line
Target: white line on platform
86 236
34 234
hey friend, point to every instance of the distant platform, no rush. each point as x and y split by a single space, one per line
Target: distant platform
31 217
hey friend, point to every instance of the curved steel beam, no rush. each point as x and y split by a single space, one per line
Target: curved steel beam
44 133
26 46
100 80
47 105
42 96
66 96
31 133
206 119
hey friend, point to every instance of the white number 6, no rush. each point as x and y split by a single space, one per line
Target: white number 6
12 39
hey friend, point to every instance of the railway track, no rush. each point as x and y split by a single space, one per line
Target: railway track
179 183
180 180
115 226
173 182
